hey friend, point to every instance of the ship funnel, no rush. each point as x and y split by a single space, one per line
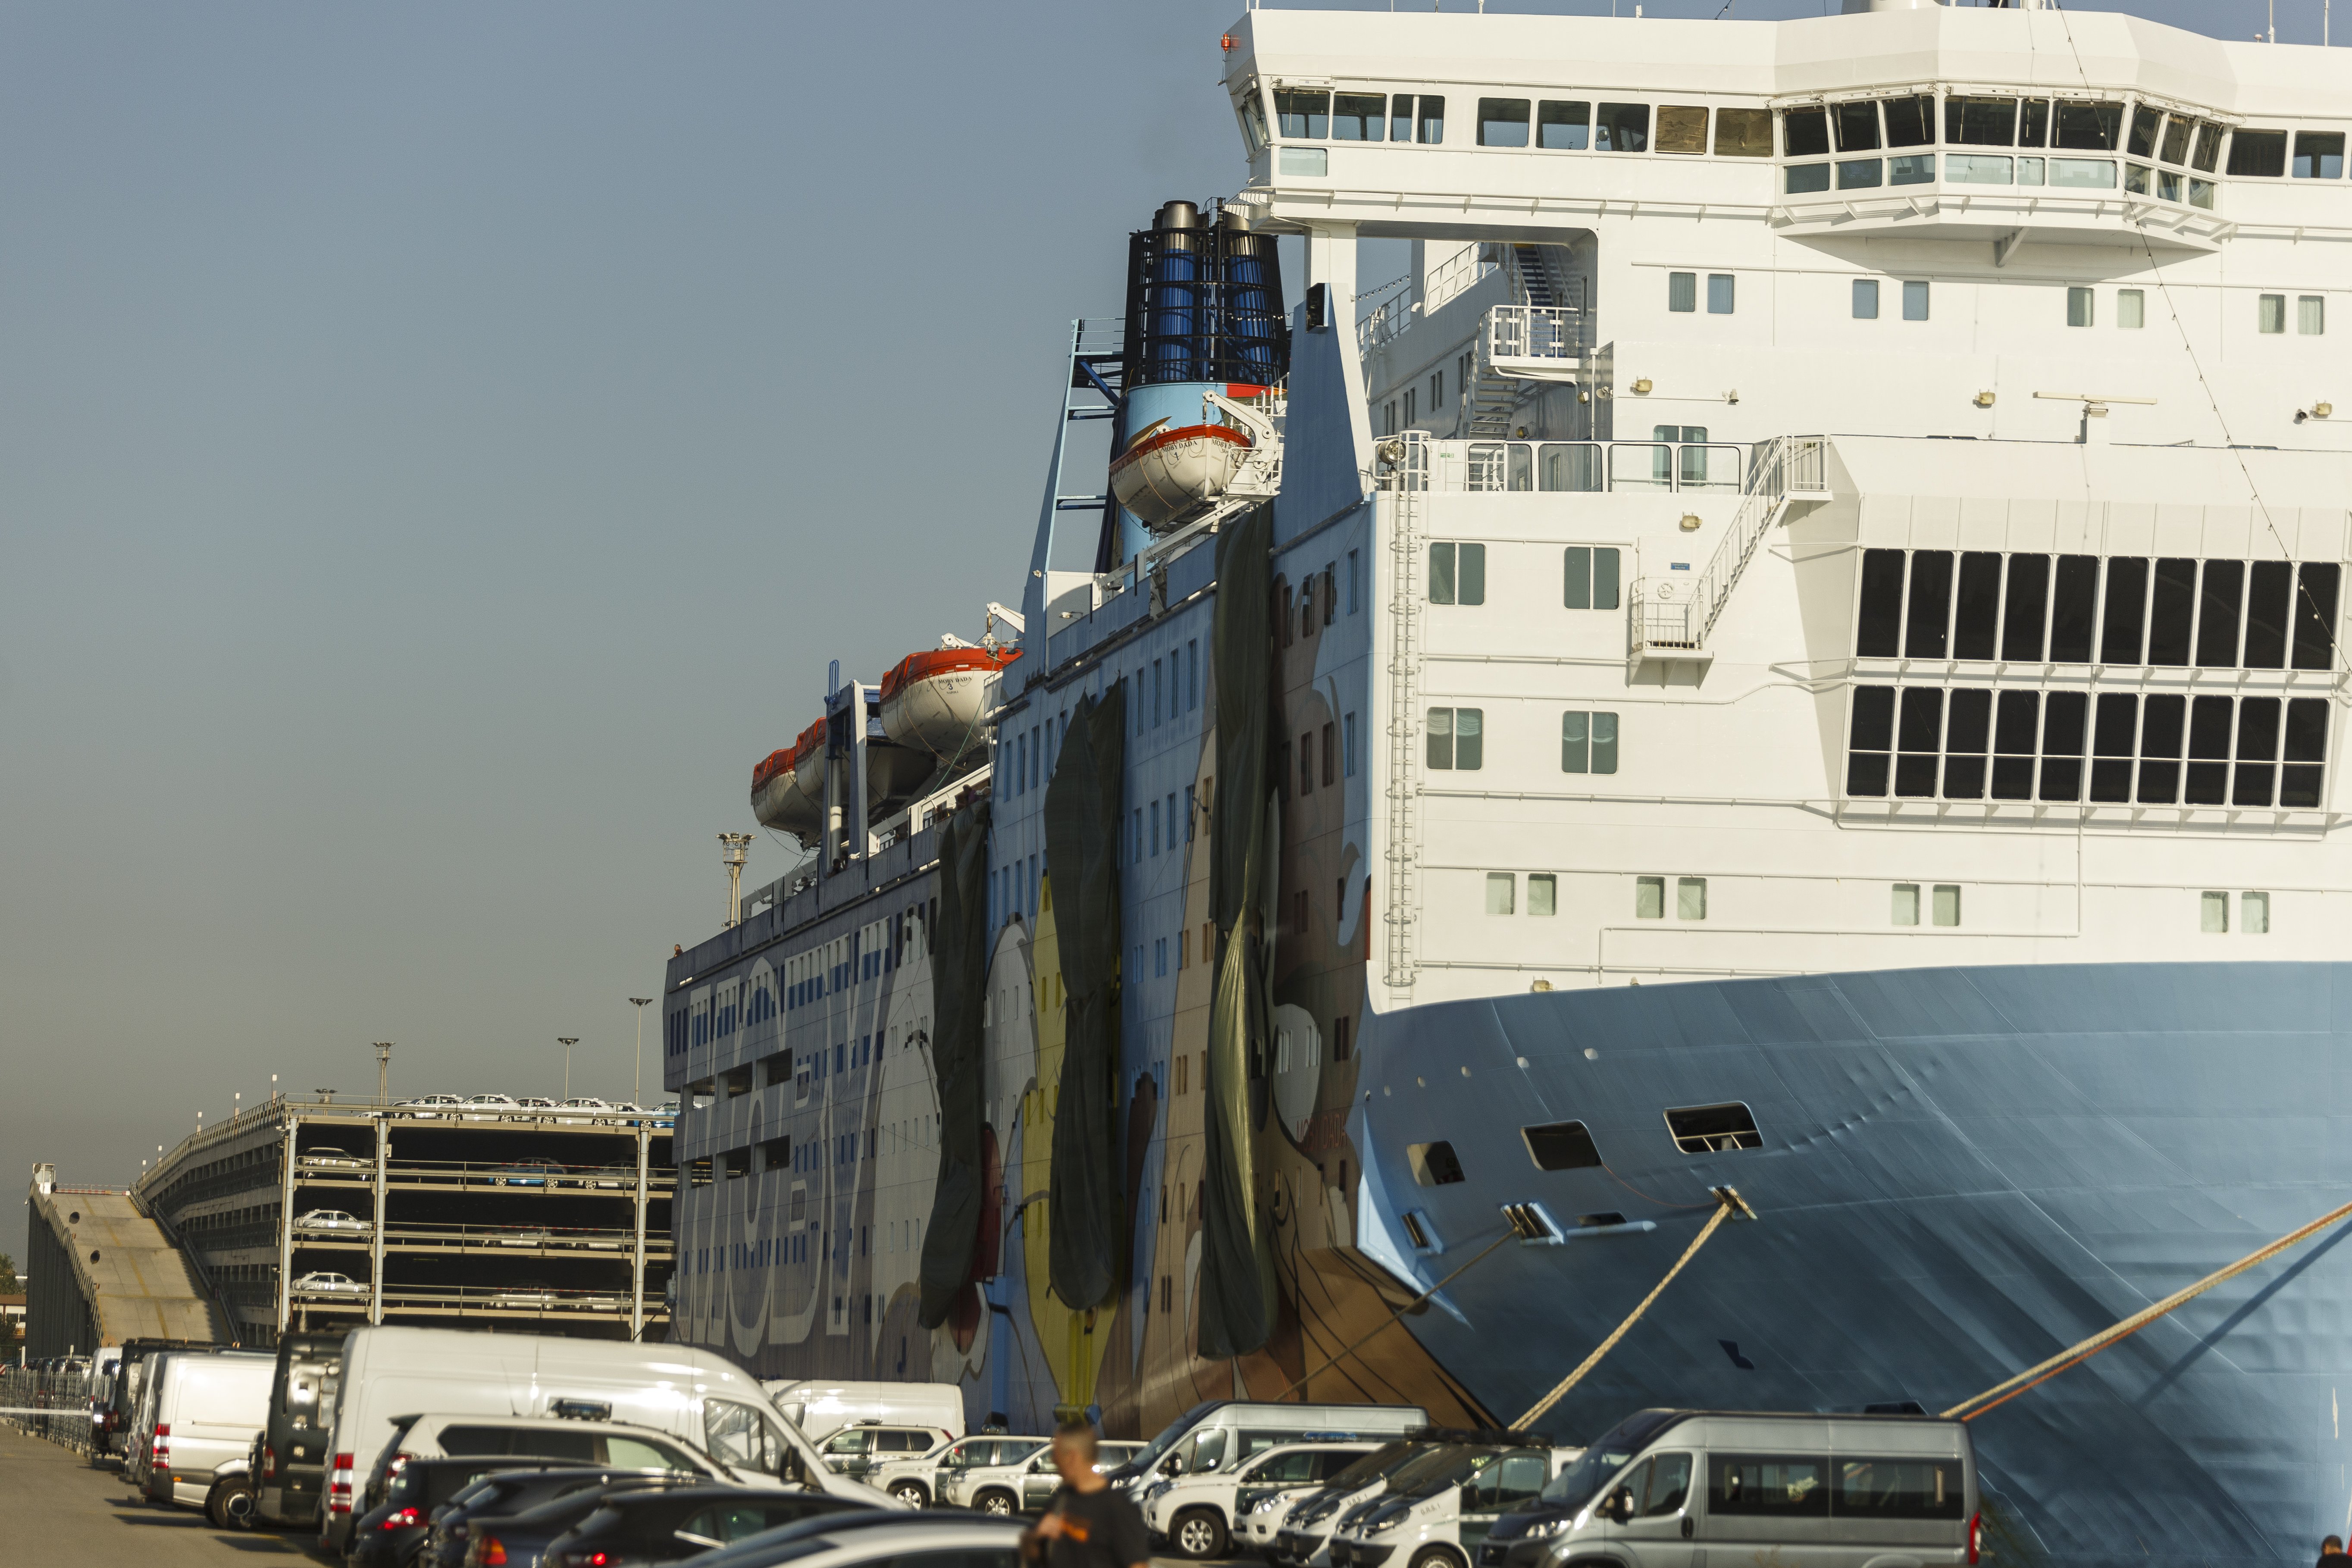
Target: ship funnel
1177 215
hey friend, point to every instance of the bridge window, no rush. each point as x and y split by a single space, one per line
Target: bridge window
2319 156
1805 132
2176 139
1976 122
1358 116
2258 154
1565 125
2208 150
2146 124
1857 126
1503 121
1302 115
1910 121
1623 127
1428 118
1743 134
2089 127
1681 127
2033 122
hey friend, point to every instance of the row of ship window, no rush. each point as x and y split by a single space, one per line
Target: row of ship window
1454 741
1589 575
2169 611
2181 151
1723 1129
1974 743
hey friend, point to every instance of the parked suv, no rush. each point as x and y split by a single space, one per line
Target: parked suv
860 1450
1199 1514
921 1482
992 1487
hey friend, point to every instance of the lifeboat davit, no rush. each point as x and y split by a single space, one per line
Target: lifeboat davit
931 701
778 798
1168 470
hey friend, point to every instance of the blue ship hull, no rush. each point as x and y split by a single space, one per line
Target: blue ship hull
1962 1172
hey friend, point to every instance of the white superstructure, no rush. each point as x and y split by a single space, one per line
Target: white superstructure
1706 315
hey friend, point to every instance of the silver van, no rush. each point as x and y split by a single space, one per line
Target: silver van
1220 1433
1676 1489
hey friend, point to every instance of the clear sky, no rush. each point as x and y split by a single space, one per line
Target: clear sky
441 446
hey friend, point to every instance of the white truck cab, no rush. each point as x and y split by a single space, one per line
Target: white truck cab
1201 1514
1441 1519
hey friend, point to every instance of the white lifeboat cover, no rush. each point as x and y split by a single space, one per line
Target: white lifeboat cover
1165 473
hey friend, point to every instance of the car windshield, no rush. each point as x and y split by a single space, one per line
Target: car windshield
1581 1481
1372 1466
1448 1467
1172 1434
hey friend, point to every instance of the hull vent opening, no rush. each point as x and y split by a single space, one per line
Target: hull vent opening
1714 1128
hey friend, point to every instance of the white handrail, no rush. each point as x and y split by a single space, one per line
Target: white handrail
1680 616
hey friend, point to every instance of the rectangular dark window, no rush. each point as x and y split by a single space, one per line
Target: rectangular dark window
1966 728
1560 1146
1805 133
1503 121
2314 615
1429 121
2016 727
1358 116
2162 719
1918 739
1302 116
1435 1164
2114 736
2217 613
1565 126
1911 121
1857 126
1743 134
2258 739
2168 612
2074 606
2258 154
2319 156
1980 122
1681 127
2089 127
2063 719
1714 1128
2269 592
2306 748
1878 619
2120 635
1871 738
1623 127
2207 780
1978 617
2145 123
1927 626
1768 1486
1899 1489
2022 622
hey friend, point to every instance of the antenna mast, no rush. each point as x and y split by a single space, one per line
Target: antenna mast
736 846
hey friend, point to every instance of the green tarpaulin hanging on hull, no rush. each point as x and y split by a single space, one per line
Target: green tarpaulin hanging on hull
1238 1305
1086 1199
959 986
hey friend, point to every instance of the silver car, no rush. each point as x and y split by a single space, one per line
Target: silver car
321 1284
486 1107
332 1220
425 1107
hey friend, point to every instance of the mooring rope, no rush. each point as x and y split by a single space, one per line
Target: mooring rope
1727 1204
2034 1376
1397 1316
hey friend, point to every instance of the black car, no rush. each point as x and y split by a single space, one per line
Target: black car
520 1536
392 1535
507 1493
665 1526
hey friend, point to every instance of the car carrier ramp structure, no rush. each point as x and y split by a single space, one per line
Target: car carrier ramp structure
102 1271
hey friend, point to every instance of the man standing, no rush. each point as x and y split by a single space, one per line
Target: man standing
1088 1524
2331 1553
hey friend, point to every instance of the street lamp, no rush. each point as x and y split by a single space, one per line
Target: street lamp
567 1042
638 1091
382 1071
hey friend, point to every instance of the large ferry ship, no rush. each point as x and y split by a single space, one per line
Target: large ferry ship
1799 651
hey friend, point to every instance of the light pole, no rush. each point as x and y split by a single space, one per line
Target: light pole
382 1071
637 1090
567 1042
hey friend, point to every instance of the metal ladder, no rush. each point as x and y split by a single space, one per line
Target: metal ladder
1407 480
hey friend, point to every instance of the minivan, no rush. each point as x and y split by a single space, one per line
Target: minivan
820 1407
1839 1490
1220 1432
391 1375
1442 1515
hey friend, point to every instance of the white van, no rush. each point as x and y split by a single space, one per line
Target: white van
392 1376
1199 1514
1840 1492
1219 1433
1442 1518
819 1408
201 1411
1303 1539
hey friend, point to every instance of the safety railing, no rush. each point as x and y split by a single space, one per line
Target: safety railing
1537 331
1583 466
1674 614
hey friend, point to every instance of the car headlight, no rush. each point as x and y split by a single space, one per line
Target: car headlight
1382 1526
1548 1526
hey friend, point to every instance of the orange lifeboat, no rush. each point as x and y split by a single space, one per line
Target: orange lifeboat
779 799
1168 470
932 701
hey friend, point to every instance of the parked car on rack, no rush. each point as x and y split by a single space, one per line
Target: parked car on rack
322 1283
527 1174
331 1220
325 1158
583 1103
425 1107
535 1102
486 1107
